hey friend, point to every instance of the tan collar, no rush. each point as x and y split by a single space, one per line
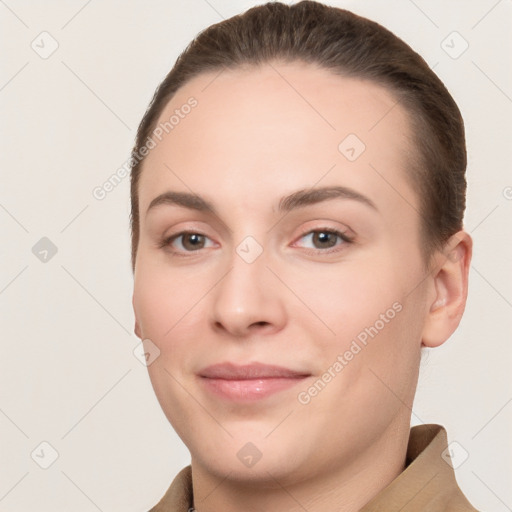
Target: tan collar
427 483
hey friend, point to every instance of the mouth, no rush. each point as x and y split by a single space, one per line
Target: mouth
250 382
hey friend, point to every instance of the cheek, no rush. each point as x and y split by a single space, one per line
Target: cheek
163 305
369 317
386 340
170 309
349 298
153 305
161 299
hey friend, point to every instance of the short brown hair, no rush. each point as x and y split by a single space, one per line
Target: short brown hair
347 45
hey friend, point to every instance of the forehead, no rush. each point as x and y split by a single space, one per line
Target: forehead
280 123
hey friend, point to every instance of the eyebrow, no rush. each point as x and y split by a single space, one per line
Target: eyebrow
298 199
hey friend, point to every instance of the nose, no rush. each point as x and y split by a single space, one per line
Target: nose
249 299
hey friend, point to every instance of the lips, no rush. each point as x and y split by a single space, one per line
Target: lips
250 382
230 371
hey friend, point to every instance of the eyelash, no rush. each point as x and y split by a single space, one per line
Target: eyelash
166 242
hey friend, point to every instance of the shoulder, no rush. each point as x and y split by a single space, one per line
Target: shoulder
178 497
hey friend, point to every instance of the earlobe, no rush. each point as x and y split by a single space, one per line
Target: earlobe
450 283
136 329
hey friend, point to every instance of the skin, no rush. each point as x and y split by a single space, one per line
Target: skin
255 136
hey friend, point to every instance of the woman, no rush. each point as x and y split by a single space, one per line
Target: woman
298 190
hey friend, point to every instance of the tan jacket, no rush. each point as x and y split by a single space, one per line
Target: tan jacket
426 484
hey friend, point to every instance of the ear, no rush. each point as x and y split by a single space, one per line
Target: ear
450 290
136 329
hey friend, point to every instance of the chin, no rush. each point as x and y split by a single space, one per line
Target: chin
250 458
267 471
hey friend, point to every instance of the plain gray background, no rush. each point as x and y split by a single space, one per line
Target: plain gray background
68 374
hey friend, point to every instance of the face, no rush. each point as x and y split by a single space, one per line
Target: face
328 283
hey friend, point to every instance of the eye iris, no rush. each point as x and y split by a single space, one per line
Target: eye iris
197 241
322 237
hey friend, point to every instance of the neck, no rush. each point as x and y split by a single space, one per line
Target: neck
345 487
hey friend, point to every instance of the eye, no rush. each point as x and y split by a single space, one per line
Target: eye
186 241
326 238
323 240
